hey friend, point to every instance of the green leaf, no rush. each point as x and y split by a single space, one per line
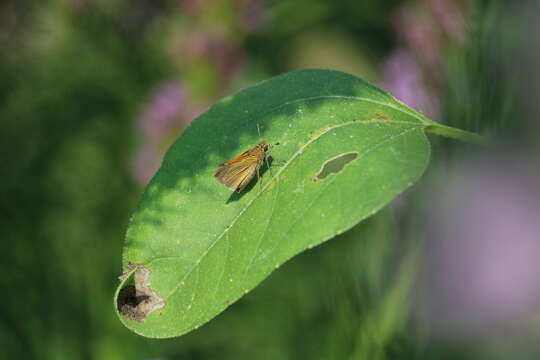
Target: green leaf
346 149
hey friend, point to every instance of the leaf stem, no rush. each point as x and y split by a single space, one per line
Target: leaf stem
457 134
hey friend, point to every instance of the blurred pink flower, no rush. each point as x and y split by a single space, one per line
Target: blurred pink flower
254 15
213 47
162 113
194 7
227 57
402 77
481 273
145 163
195 44
420 34
450 18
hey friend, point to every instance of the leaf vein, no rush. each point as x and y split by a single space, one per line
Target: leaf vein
272 212
293 157
335 177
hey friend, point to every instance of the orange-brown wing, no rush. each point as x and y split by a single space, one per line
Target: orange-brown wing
236 177
243 156
257 152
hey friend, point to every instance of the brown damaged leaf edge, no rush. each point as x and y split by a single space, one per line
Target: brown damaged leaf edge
335 165
135 301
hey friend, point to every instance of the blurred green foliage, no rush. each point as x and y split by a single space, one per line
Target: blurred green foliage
74 77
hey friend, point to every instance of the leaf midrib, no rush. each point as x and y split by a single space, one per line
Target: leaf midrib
332 180
296 154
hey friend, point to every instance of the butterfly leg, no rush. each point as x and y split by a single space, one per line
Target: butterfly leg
259 178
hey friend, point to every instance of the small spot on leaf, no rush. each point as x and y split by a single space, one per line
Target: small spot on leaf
382 117
335 165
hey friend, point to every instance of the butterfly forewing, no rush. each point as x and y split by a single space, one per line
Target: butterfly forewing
245 155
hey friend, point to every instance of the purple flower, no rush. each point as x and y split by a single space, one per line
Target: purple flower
145 163
254 15
481 273
402 77
420 34
163 115
450 17
195 7
226 56
163 110
212 47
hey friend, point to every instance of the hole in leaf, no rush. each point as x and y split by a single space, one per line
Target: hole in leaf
335 165
136 300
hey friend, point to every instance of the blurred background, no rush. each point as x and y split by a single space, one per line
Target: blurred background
92 92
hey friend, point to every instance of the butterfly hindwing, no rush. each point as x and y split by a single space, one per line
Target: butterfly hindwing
236 177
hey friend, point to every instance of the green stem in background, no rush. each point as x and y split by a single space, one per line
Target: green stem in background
457 134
